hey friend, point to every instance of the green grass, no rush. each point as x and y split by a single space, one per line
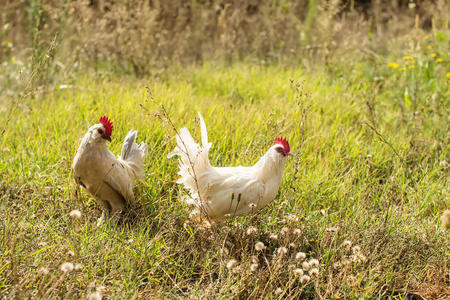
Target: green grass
368 169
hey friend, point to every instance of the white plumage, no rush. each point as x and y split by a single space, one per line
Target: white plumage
223 192
109 179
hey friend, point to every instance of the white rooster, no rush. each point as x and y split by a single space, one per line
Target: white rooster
109 179
223 192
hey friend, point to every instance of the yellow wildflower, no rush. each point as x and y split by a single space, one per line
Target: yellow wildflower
426 37
447 75
433 55
393 65
429 47
407 57
402 69
13 60
413 62
438 59
411 66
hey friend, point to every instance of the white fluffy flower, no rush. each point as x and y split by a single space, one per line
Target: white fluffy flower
314 262
306 265
282 250
232 263
253 267
67 267
95 296
251 230
75 214
259 246
300 256
298 272
314 272
304 279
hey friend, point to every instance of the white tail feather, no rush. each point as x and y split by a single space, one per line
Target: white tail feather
193 158
133 155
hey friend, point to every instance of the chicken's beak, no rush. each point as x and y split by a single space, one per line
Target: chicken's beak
108 138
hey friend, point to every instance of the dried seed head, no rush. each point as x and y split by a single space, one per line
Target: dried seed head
273 236
101 289
259 246
278 291
314 262
306 265
284 230
337 265
78 267
232 263
282 251
75 214
252 205
300 256
251 230
362 257
297 231
70 253
254 259
347 244
42 271
356 249
224 251
304 279
291 245
322 212
292 218
314 272
332 229
67 267
291 267
95 296
253 267
298 272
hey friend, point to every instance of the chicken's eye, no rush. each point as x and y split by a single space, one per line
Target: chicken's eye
100 131
280 150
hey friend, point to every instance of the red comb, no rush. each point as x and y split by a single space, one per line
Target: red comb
107 124
283 142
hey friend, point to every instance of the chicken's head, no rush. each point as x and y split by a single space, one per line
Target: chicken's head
282 146
102 132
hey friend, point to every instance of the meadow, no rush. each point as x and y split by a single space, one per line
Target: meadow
363 194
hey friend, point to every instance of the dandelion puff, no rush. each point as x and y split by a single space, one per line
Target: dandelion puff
304 279
224 251
291 267
306 265
337 265
297 231
291 245
70 253
259 246
332 229
78 267
254 259
282 250
253 267
314 262
75 214
314 272
445 219
300 256
347 244
284 230
251 230
298 272
273 236
278 291
292 218
232 263
362 257
95 296
252 205
356 249
42 271
67 267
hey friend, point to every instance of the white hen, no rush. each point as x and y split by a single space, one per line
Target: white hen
223 192
109 179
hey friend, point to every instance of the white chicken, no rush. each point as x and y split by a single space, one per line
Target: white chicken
109 179
224 192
